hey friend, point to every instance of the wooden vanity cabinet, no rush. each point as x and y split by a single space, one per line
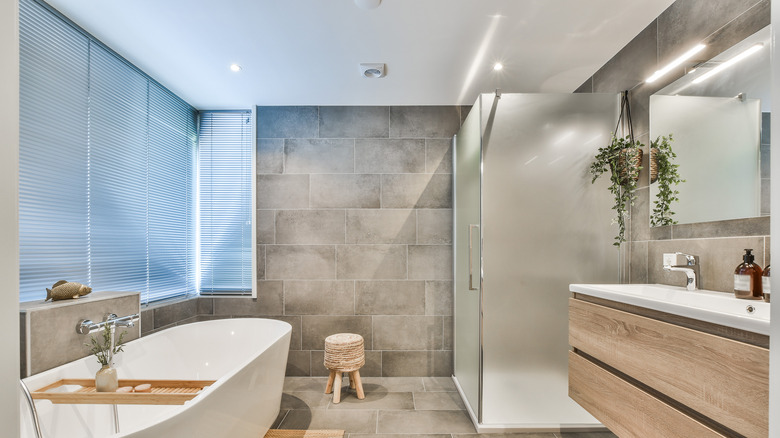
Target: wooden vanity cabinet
643 373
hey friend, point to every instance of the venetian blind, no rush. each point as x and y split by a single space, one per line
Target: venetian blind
225 157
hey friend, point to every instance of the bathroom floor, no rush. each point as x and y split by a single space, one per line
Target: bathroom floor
425 407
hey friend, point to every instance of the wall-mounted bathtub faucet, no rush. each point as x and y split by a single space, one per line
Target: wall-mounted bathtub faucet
86 326
684 263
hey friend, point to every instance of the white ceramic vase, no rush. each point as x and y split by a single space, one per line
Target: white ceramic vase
106 379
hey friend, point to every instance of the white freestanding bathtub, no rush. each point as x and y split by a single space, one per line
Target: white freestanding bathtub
247 358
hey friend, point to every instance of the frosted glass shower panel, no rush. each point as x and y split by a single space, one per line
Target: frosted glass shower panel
468 162
717 142
544 226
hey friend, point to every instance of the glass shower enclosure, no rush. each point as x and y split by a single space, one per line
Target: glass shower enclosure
528 222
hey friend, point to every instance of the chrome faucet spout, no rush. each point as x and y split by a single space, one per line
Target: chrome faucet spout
689 264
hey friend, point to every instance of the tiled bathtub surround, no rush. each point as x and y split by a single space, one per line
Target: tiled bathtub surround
719 244
354 228
48 329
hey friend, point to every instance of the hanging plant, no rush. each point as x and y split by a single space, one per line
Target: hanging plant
622 158
667 176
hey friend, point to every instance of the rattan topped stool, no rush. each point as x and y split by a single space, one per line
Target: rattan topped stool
344 353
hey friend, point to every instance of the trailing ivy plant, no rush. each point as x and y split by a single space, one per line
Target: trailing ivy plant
621 158
667 178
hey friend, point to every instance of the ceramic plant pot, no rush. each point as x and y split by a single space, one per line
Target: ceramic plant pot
106 379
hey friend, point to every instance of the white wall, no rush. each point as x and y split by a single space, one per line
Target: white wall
774 361
9 242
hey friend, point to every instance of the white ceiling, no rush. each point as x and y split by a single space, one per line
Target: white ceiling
306 52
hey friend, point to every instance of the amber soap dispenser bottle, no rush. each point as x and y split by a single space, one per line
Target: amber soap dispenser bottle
747 278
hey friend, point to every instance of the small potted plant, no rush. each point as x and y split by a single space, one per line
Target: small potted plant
664 172
622 158
104 349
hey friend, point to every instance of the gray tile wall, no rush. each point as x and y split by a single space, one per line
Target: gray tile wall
355 232
720 244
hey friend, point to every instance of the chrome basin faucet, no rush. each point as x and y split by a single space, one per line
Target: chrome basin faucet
684 263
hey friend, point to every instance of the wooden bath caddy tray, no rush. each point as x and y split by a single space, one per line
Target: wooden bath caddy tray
164 392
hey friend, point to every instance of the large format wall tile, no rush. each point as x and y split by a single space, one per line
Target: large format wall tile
345 191
417 191
438 155
390 155
430 262
408 333
317 328
434 226
300 262
319 156
424 121
319 298
381 226
287 121
282 191
270 155
416 363
354 121
390 297
313 227
371 262
439 298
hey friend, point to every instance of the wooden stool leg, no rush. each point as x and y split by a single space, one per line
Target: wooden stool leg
351 380
337 388
358 384
329 386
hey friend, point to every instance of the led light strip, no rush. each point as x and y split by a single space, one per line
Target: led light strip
749 51
685 56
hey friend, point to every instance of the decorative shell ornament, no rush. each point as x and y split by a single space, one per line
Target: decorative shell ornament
65 290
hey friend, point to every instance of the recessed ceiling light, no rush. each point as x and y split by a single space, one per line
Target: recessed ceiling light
235 67
498 66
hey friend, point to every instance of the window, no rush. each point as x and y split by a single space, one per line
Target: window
225 180
106 168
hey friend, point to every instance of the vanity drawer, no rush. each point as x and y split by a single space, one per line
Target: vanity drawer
723 379
625 409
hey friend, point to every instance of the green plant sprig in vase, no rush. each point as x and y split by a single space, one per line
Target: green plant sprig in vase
622 158
668 176
106 379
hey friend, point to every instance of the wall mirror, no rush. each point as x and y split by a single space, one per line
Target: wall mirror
720 128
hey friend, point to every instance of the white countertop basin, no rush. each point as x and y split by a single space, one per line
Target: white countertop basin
705 305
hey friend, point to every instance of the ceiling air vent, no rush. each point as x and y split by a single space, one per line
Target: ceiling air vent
372 70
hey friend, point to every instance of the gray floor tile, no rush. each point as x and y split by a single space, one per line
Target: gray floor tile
423 422
351 421
305 400
299 384
438 401
393 384
436 384
376 401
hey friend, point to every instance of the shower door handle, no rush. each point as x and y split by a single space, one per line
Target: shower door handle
471 258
